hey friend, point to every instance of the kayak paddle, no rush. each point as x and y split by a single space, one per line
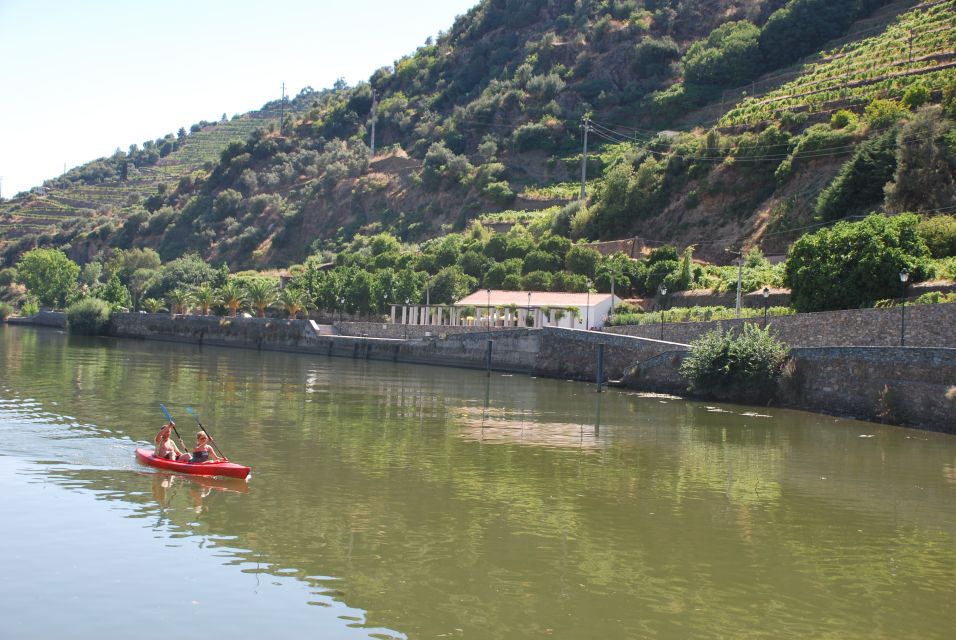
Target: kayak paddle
172 422
190 411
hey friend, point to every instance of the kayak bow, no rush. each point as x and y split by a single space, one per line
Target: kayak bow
226 469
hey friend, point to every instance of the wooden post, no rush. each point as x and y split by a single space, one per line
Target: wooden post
599 374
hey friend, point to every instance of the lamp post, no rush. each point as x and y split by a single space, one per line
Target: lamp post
904 278
663 290
407 319
766 301
587 308
488 307
529 310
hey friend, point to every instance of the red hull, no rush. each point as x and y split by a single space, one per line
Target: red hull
225 469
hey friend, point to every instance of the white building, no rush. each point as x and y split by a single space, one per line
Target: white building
496 308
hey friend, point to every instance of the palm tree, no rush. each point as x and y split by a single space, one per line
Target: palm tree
232 296
293 301
262 294
152 305
575 313
179 300
204 297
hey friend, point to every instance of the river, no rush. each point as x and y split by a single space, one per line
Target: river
399 501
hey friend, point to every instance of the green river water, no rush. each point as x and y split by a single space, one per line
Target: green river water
397 501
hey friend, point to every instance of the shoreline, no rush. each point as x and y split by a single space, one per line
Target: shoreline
911 387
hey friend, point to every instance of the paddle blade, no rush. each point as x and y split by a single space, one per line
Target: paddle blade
165 412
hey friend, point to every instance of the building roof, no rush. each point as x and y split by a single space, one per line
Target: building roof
499 298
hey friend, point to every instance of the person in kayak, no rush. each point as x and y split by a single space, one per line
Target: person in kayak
203 451
165 447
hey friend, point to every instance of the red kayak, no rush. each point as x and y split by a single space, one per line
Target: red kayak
226 469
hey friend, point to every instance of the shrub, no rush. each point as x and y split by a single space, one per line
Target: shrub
739 367
5 310
883 113
854 264
841 119
88 317
915 97
939 233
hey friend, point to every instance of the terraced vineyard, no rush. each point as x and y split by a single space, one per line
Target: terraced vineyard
919 47
49 207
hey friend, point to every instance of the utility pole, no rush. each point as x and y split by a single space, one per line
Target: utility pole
282 110
586 125
740 273
374 105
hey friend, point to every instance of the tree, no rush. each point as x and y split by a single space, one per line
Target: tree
854 264
114 293
232 296
178 300
451 284
204 296
925 164
582 260
140 282
48 274
293 300
261 294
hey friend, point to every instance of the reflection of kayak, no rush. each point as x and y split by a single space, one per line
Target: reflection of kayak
227 469
232 485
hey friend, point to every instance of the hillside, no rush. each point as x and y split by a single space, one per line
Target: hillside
488 118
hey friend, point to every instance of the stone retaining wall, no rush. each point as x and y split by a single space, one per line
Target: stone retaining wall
927 325
915 386
908 385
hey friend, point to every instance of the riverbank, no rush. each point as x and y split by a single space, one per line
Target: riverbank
908 386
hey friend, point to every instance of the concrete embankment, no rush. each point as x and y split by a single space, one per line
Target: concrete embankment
898 385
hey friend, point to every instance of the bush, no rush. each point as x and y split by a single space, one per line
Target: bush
851 265
739 367
841 119
88 317
883 113
915 97
5 310
939 233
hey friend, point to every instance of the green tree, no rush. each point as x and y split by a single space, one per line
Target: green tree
582 260
114 293
48 274
859 185
204 296
854 264
293 301
451 284
261 293
232 295
925 177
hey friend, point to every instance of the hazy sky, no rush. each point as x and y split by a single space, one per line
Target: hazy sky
80 78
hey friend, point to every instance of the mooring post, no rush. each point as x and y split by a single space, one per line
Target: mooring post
488 360
599 374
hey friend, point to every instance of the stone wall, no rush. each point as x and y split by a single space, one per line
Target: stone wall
898 385
213 330
909 385
927 325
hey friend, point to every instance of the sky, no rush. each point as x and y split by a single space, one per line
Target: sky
79 79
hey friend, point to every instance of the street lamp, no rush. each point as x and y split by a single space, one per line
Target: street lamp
488 307
904 278
529 309
663 290
766 301
407 318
